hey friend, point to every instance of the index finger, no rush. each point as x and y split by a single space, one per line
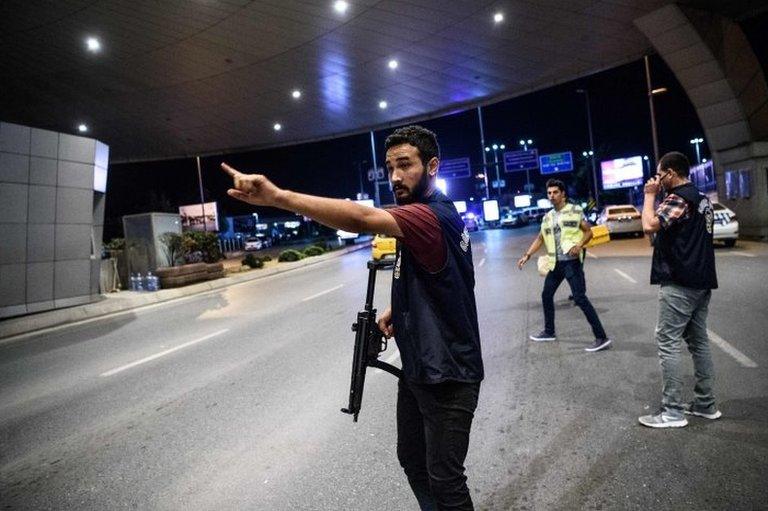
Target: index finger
229 170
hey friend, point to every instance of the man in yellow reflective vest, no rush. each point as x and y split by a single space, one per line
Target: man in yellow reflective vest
564 232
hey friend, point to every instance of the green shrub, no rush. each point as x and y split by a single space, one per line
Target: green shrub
253 261
313 250
203 246
290 255
174 244
115 244
265 258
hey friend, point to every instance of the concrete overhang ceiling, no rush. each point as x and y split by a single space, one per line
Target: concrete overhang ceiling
178 78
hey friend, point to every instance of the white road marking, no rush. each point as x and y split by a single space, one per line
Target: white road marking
394 356
481 263
321 293
724 345
742 254
593 256
625 275
163 353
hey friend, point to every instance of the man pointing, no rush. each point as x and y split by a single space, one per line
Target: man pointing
433 315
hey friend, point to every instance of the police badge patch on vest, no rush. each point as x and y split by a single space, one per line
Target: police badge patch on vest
705 208
464 243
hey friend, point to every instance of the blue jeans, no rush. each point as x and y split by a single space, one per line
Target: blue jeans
573 272
683 317
433 423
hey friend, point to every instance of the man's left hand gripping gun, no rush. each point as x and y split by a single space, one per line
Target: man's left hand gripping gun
369 342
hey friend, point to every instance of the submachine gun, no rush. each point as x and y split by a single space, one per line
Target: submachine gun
369 342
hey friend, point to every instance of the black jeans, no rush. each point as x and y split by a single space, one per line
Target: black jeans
573 272
433 423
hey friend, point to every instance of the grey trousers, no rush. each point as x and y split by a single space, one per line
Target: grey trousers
683 318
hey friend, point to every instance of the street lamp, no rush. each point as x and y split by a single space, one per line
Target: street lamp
591 143
651 93
696 142
524 143
646 161
496 148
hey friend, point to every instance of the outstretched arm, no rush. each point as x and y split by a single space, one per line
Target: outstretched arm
337 213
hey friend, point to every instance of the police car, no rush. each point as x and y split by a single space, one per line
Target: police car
726 225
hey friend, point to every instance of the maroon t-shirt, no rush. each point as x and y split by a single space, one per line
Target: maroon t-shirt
422 235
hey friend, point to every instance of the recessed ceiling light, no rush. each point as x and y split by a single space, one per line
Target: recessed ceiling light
498 17
392 64
82 128
340 6
296 94
382 104
277 126
93 44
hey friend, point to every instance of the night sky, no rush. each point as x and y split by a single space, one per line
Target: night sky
554 118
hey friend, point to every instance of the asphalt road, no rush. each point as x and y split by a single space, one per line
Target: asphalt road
230 400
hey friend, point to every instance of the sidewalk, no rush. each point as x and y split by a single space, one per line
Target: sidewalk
128 300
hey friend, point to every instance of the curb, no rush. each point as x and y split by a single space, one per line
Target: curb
129 300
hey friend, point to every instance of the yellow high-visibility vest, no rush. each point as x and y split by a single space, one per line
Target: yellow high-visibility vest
570 232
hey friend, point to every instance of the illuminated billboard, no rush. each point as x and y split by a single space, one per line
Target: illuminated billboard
491 210
522 201
461 206
199 217
622 172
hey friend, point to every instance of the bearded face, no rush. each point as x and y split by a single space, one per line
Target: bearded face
408 175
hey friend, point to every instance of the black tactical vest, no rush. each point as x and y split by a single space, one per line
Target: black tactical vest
434 314
683 254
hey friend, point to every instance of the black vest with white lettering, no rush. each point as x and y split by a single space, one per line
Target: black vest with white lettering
683 254
434 314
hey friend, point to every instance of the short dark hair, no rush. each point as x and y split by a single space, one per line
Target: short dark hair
419 137
677 162
557 183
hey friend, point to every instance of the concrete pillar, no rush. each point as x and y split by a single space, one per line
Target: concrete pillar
714 62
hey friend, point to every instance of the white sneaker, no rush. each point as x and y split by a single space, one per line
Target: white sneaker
662 419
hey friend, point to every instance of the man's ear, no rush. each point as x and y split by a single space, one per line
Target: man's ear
432 166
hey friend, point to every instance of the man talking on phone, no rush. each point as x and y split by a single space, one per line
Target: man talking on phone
684 268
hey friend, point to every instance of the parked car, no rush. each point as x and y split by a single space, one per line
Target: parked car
470 221
512 218
726 225
257 242
347 237
383 247
622 219
536 214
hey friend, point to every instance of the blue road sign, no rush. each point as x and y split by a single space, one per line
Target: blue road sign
458 167
515 161
556 162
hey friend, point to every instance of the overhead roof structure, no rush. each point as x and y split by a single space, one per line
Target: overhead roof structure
176 78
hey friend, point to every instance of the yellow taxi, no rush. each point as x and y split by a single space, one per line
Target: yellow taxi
383 246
